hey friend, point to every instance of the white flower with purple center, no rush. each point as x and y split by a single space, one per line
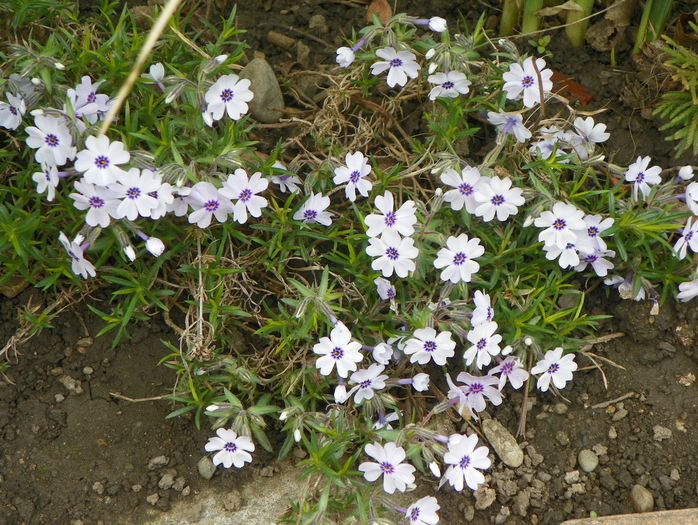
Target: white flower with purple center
551 140
556 367
476 389
448 85
485 344
338 351
597 260
560 225
384 289
510 370
688 290
286 181
399 64
465 462
100 161
393 254
389 464
165 197
426 345
354 173
367 382
588 134
589 239
495 196
509 124
465 185
688 239
233 450
46 181
423 511
86 102
207 202
245 190
179 206
100 202
12 111
78 264
134 188
314 210
525 81
642 176
402 221
229 94
567 256
483 312
457 258
52 141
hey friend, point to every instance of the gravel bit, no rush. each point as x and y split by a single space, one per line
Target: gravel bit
642 499
166 481
503 442
232 501
620 414
98 487
521 503
469 513
153 498
137 487
206 467
572 477
612 433
536 458
562 438
158 462
484 497
661 433
560 408
179 484
503 515
72 385
588 460
268 102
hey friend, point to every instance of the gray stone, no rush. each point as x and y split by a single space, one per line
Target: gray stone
153 498
206 467
641 498
572 477
484 497
588 460
98 487
268 100
158 462
619 414
179 484
166 481
562 438
503 443
469 513
522 502
502 515
661 433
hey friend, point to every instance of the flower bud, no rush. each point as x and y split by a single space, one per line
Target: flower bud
36 81
221 58
130 253
430 53
297 435
345 56
284 415
437 24
686 172
155 246
58 66
434 467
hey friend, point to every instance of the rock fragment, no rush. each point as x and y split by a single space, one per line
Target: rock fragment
503 442
641 498
588 460
268 102
158 462
206 467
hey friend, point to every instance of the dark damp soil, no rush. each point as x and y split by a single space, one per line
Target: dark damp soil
71 452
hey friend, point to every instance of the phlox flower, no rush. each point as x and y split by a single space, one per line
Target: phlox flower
510 124
101 203
353 174
597 260
465 185
522 81
437 24
457 258
556 367
402 221
399 64
229 94
155 74
384 421
448 85
86 102
483 312
367 382
78 264
207 202
560 225
625 287
459 396
46 181
313 210
477 389
510 369
389 458
686 173
12 111
589 239
496 196
420 382
691 196
382 353
567 256
345 56
134 188
551 140
100 161
239 186
337 350
485 344
688 239
165 197
233 450
465 462
155 246
688 290
588 134
385 290
179 206
642 176
394 254
423 511
51 140
285 181
426 345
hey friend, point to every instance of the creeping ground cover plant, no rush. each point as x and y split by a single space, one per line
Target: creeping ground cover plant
343 289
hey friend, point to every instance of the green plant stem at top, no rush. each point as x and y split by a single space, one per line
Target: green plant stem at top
531 21
578 21
511 12
654 18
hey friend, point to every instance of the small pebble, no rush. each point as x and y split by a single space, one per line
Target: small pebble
588 460
136 488
153 498
98 487
88 370
661 433
484 497
560 408
158 462
612 433
186 491
620 414
232 501
206 467
641 498
572 477
59 398
166 481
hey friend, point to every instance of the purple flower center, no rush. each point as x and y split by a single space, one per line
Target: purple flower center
509 124
153 194
465 189
211 205
559 224
73 256
102 162
459 258
592 231
390 219
309 215
497 200
569 246
227 95
414 515
429 346
527 81
482 343
386 467
590 258
640 177
365 384
133 193
51 140
395 62
354 177
447 85
13 110
688 236
553 368
464 462
476 388
390 293
91 97
506 368
230 447
337 353
245 195
96 202
392 253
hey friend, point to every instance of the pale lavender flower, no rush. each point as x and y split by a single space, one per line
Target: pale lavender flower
51 140
382 353
423 511
525 80
165 199
367 382
556 367
686 173
567 256
353 174
338 351
207 202
642 176
465 462
134 188
589 239
691 196
485 344
285 181
560 224
688 290
426 345
457 258
448 85
389 464
46 181
420 382
155 246
510 369
509 124
625 287
100 161
155 74
597 260
393 254
345 56
496 196
232 449
78 264
12 111
588 134
465 185
399 64
313 210
384 288
179 206
100 202
239 186
86 102
229 94
483 312
384 421
551 140
688 239
479 388
402 221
